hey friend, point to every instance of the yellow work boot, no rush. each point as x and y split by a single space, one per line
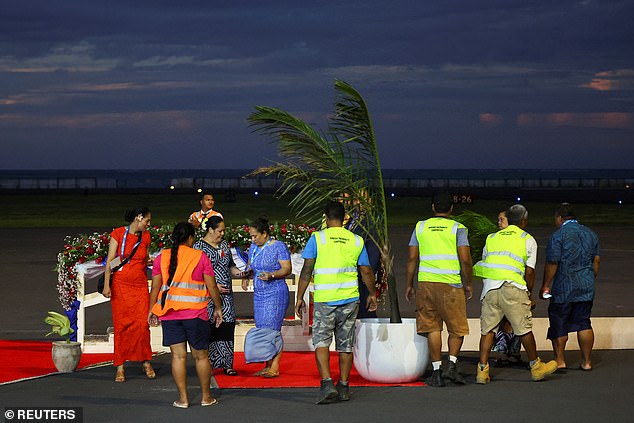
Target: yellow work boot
483 375
540 370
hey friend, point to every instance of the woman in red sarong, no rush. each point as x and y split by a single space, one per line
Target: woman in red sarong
127 289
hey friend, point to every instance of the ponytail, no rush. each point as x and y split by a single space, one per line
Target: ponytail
182 231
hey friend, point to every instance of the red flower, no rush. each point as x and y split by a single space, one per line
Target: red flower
81 260
99 260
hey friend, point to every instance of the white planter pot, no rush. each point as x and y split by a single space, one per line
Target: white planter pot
389 353
66 356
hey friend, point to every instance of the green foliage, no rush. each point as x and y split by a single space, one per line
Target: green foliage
60 325
342 164
479 227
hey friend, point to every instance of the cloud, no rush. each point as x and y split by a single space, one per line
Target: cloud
491 119
171 119
620 79
610 120
71 58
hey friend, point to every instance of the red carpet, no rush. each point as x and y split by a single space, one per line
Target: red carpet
297 370
27 359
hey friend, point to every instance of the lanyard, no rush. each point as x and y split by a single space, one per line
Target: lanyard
125 237
257 251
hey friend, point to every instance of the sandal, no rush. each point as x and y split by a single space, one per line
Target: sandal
261 371
149 371
230 372
120 376
207 404
180 404
270 374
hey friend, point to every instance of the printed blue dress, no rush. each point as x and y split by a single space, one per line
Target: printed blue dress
270 298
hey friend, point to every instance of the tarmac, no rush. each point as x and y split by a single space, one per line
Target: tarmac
28 258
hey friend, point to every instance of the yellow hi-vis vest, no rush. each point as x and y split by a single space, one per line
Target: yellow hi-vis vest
438 251
184 293
506 256
338 252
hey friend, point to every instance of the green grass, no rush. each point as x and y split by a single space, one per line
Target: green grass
106 210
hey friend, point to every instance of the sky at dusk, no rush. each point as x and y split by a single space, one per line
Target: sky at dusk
152 84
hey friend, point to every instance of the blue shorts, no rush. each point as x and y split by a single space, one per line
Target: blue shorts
195 331
568 317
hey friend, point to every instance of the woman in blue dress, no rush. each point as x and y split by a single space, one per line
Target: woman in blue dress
270 261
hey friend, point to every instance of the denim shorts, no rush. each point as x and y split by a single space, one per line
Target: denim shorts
339 320
195 331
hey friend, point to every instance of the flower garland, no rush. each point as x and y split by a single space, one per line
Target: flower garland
77 250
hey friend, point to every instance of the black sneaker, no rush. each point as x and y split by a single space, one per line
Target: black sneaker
344 391
435 379
327 392
453 375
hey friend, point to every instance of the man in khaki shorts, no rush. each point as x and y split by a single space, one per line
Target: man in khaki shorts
507 270
440 248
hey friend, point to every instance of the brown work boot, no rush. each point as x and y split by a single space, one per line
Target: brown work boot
540 370
482 377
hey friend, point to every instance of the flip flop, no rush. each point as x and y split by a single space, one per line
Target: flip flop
207 404
149 371
180 405
230 372
261 372
584 369
270 375
120 376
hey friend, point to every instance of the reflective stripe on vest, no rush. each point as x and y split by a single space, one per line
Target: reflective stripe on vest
338 252
184 293
506 256
437 246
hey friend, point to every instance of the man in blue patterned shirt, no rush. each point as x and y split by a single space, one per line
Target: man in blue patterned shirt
572 265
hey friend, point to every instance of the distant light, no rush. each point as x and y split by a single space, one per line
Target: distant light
627 186
620 202
519 199
172 187
256 193
392 195
199 190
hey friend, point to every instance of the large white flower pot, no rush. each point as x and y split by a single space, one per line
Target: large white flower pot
66 355
389 352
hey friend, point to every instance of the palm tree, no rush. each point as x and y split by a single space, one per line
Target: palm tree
342 163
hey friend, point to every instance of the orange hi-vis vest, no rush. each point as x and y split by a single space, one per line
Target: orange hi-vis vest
184 293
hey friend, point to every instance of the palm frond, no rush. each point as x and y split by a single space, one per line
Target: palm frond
344 165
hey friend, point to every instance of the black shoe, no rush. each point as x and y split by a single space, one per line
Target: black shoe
453 375
344 391
435 379
327 392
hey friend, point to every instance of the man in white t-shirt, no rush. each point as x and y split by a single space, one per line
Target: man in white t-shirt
507 270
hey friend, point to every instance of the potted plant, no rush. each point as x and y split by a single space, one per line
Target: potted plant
66 354
343 163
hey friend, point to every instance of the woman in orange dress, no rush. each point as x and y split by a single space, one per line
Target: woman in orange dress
127 289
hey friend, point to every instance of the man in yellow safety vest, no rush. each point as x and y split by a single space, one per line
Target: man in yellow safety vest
440 249
334 255
507 270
